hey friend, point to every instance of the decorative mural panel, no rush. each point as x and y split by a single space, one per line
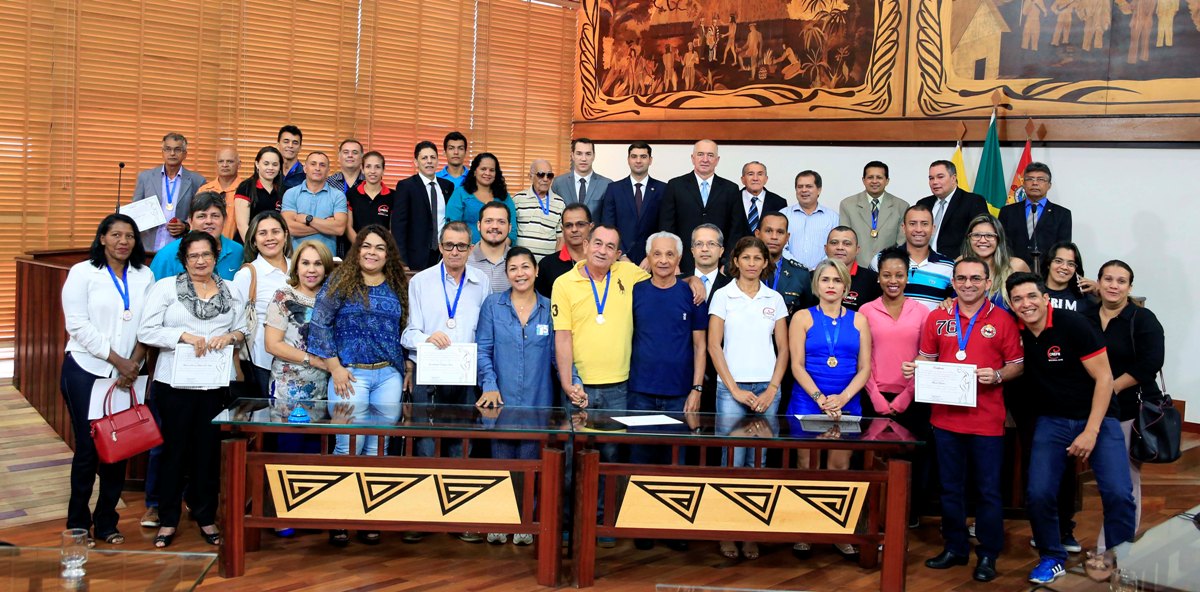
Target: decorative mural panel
885 60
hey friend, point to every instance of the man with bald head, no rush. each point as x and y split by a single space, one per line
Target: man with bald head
539 212
702 197
226 182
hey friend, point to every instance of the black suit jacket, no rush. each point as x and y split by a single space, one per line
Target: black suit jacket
1054 225
683 210
963 208
618 209
411 221
771 202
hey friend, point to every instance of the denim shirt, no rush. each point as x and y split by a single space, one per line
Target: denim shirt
524 372
355 332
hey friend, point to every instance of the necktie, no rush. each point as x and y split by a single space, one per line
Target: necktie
582 191
753 216
704 193
875 208
704 280
433 211
637 197
1031 220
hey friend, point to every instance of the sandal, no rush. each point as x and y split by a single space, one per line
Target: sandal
114 538
750 550
212 538
162 541
368 537
339 538
729 549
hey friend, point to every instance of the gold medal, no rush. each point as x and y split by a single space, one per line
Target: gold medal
170 206
874 233
831 362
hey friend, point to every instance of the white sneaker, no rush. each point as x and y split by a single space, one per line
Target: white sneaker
523 539
497 538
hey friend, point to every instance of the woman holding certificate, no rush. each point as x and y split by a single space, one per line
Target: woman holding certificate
264 271
195 320
747 325
103 301
355 328
831 358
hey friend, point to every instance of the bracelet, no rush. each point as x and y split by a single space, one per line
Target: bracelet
816 395
771 384
999 377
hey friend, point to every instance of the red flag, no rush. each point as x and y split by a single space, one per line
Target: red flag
1016 191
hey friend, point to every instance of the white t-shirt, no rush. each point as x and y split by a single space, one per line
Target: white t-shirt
749 330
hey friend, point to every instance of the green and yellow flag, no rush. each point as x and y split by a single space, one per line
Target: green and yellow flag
989 180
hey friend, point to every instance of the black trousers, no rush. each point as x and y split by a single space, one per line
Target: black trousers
915 419
191 452
76 384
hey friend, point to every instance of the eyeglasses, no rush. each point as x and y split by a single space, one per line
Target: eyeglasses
971 279
709 244
543 175
1037 179
983 236
574 225
174 150
460 247
1063 262
198 257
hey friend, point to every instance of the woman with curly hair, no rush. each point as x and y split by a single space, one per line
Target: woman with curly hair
484 183
355 328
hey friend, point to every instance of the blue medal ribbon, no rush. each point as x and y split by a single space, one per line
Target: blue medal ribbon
451 310
546 207
874 219
122 285
965 336
831 340
170 187
596 293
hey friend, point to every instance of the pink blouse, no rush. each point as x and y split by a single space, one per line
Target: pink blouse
893 342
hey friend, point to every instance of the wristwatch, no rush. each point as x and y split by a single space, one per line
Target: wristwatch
308 220
698 388
999 377
307 360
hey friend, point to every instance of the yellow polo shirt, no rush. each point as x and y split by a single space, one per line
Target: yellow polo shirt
601 351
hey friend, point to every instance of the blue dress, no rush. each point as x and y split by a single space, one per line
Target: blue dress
830 381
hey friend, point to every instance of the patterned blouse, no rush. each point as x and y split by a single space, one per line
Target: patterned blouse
357 332
290 312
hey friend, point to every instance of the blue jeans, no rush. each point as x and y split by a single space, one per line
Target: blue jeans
376 400
610 397
959 455
649 454
1110 463
730 413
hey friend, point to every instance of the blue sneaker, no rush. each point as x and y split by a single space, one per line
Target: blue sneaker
1046 571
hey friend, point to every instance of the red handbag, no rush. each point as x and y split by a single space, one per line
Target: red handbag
121 435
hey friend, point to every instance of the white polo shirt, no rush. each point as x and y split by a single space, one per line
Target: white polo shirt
749 330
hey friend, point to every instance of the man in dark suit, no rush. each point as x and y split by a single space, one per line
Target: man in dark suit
631 204
1034 224
172 186
701 197
953 209
756 199
420 209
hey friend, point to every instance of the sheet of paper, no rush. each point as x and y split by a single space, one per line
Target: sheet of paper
847 424
147 213
945 383
212 370
635 421
120 401
454 365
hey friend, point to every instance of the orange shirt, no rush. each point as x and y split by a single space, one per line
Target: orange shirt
230 216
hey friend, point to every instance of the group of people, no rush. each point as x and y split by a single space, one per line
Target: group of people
581 291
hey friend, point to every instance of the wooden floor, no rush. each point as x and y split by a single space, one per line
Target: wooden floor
440 562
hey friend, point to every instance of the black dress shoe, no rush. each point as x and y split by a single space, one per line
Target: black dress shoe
643 544
677 545
945 560
985 570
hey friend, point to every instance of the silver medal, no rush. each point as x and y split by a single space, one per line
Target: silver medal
961 355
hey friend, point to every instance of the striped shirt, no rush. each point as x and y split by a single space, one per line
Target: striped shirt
929 280
539 221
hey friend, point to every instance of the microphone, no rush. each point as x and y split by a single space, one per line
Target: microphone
120 171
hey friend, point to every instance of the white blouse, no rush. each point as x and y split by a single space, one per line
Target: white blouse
93 308
166 319
268 280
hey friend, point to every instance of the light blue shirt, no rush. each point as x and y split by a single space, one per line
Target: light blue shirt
322 204
166 262
458 181
809 233
430 297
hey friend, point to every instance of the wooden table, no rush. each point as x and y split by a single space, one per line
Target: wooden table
262 489
866 506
